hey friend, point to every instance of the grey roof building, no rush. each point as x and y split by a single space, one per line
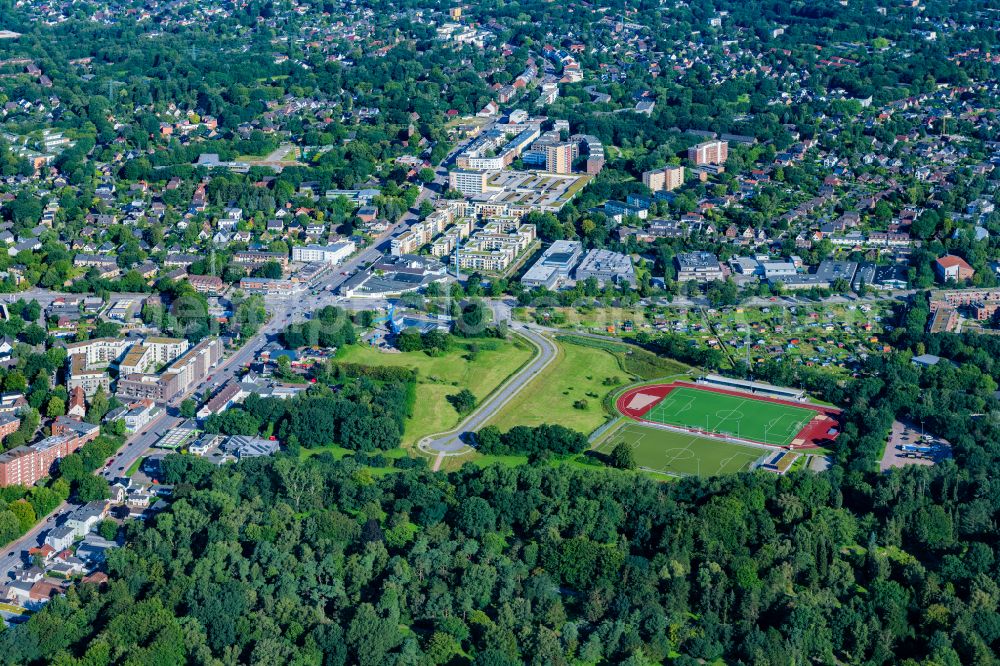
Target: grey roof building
607 267
242 447
555 265
698 267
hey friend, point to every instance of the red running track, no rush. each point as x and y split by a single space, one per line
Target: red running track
815 434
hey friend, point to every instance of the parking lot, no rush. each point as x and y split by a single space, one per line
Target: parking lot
906 434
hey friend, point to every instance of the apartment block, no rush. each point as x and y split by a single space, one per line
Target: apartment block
26 465
99 351
250 258
206 284
180 377
559 158
424 232
138 359
664 180
166 350
469 183
8 425
709 152
495 247
89 378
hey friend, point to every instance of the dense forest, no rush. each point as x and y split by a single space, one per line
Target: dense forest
323 561
281 561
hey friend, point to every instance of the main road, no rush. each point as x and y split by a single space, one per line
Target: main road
282 312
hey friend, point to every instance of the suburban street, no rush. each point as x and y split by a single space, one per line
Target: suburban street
134 447
283 310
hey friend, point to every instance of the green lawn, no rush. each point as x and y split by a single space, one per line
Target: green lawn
675 453
578 373
746 418
441 376
636 361
134 467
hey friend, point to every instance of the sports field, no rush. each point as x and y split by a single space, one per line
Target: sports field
772 423
681 454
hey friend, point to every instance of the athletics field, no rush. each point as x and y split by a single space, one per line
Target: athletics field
726 413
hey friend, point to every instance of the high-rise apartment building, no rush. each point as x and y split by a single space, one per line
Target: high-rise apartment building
668 178
709 152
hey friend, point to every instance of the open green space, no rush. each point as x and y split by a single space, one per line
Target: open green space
477 365
568 392
768 422
635 360
681 454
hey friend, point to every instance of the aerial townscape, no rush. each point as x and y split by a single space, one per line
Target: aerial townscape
464 333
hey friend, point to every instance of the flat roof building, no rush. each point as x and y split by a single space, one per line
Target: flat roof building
469 183
327 254
698 267
709 152
607 267
555 265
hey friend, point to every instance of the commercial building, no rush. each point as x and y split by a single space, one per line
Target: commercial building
26 465
826 274
663 180
395 275
709 152
257 285
698 267
607 267
775 270
555 265
469 183
327 254
242 446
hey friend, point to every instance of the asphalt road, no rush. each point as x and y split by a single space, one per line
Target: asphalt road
134 447
283 310
452 441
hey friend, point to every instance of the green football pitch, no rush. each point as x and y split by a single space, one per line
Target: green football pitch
746 418
681 454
